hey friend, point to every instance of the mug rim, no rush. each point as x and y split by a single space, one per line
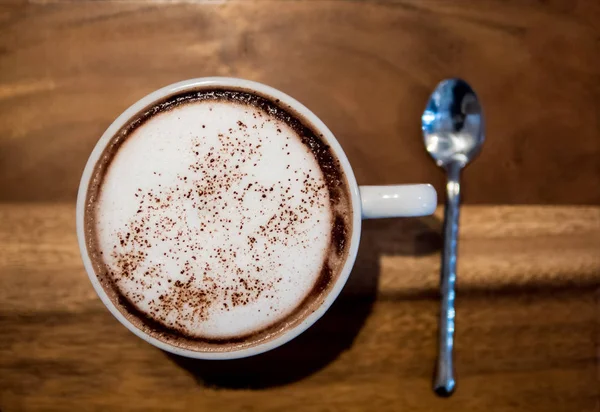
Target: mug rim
269 92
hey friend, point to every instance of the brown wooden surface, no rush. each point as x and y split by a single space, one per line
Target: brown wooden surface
528 325
67 69
528 315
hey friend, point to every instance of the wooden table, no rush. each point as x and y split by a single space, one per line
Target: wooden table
528 328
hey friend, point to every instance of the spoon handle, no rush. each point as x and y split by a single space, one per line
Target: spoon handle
444 375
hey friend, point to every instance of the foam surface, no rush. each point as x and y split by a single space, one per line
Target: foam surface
214 219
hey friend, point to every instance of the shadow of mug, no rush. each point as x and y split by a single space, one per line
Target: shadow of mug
336 330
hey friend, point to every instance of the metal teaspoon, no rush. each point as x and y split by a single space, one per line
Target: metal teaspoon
453 132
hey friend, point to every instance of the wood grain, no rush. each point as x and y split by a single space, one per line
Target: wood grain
528 322
528 314
67 69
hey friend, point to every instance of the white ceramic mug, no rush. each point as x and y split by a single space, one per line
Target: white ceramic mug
367 202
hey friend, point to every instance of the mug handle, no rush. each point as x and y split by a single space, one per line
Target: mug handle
397 201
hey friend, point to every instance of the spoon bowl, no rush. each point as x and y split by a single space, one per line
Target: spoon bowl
453 123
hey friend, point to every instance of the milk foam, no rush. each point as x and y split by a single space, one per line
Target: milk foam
214 219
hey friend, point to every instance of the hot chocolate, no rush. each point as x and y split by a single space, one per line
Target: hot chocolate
217 219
